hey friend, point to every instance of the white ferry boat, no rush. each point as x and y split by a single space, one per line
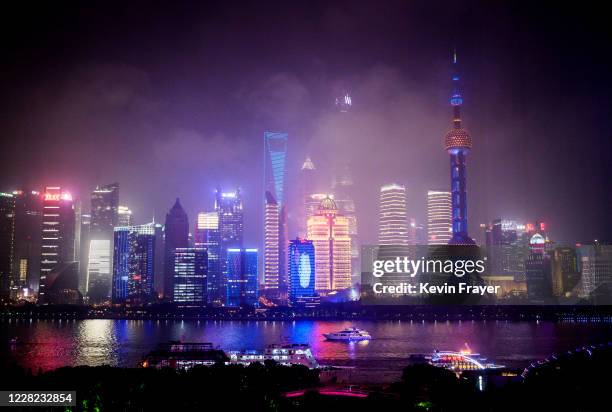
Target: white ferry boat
348 334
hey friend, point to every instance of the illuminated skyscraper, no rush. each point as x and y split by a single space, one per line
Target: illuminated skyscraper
565 272
241 277
275 176
190 277
124 216
313 201
28 221
302 273
57 244
393 233
538 271
458 143
231 218
271 244
343 188
207 236
7 243
439 218
176 235
307 188
329 233
104 210
506 248
134 264
104 217
231 228
596 270
84 253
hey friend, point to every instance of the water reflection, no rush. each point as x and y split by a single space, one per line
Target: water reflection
51 344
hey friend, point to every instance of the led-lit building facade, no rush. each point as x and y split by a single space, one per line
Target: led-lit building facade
302 273
207 236
275 176
104 217
190 277
329 233
176 235
7 239
231 229
57 241
458 143
271 244
241 277
83 255
439 217
26 260
99 270
393 229
134 264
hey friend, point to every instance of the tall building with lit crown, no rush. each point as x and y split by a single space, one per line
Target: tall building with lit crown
104 210
124 216
329 233
393 229
271 244
302 273
57 243
241 277
207 236
275 176
7 243
458 143
439 218
231 229
190 277
538 271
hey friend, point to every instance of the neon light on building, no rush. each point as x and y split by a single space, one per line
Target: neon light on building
329 233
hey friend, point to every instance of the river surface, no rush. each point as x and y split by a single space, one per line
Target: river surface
51 344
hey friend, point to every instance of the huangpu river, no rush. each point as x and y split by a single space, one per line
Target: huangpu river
50 344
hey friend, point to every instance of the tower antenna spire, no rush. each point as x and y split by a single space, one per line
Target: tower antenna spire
458 143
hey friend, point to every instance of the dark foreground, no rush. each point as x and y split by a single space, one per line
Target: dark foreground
577 381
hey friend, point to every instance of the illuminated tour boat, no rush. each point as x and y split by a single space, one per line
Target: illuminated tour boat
463 360
180 355
348 334
293 354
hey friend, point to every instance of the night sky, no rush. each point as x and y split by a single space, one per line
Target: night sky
172 99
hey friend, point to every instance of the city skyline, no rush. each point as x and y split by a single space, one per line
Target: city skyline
167 131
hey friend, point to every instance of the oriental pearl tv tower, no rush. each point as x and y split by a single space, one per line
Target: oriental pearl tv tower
458 143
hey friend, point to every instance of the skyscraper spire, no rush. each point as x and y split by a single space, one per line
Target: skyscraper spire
458 143
456 100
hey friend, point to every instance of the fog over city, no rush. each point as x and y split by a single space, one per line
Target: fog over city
172 102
